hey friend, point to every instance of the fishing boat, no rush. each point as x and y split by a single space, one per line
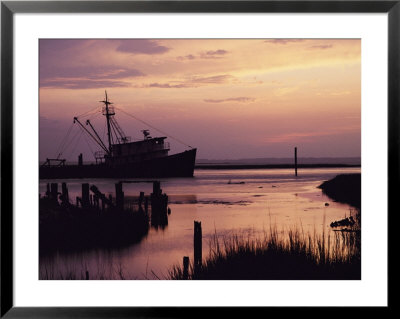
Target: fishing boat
120 157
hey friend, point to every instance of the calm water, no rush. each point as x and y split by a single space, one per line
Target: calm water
267 197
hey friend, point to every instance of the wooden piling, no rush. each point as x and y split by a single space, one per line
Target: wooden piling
119 196
85 195
141 198
185 267
65 192
197 246
295 161
48 193
100 195
146 205
54 191
159 205
156 188
96 201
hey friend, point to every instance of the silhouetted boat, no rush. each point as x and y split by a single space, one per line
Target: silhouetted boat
122 158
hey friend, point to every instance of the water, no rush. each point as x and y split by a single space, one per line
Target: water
246 202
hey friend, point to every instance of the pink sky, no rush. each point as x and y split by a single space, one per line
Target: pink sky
229 98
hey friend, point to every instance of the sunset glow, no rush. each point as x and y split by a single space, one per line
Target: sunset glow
230 99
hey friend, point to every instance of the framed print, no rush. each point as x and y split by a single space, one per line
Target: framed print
164 155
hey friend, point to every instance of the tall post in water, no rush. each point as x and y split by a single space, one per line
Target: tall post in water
157 188
197 246
185 267
295 161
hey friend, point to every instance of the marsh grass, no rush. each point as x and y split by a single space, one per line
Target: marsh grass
280 255
103 270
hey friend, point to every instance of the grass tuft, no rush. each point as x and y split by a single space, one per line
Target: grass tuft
291 255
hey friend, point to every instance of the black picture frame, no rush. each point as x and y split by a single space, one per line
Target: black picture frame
9 8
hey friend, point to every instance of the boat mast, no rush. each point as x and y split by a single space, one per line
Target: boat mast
108 114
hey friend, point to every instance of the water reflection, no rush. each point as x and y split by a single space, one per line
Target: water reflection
265 198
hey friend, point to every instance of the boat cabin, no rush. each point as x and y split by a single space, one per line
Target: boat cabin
146 149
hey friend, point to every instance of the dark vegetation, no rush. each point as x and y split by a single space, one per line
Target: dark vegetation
293 256
344 188
68 227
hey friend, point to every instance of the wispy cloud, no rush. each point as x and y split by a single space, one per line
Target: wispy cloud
142 46
166 86
90 72
294 136
186 57
321 47
191 82
241 99
283 41
85 76
224 78
82 84
211 54
310 135
217 52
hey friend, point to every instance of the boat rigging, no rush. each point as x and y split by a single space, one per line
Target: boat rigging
119 156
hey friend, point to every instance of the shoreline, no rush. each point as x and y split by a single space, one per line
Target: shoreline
344 188
276 166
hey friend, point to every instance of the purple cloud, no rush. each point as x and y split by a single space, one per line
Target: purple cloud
166 86
321 47
48 45
82 84
142 46
85 76
192 82
212 79
242 99
186 57
283 41
217 52
87 71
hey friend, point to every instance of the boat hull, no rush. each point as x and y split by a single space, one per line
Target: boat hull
177 165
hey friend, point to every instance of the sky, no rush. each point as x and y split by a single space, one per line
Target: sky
229 98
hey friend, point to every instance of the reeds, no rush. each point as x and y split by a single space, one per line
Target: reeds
282 255
107 270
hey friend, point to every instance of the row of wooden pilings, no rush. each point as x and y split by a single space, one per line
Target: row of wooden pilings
158 200
53 194
88 200
197 252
